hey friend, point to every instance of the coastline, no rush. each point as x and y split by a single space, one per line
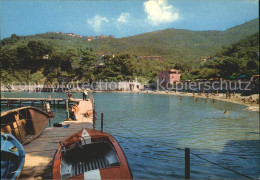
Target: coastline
238 99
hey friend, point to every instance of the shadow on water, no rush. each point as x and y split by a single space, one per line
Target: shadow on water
242 156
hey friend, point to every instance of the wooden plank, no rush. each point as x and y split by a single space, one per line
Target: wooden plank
40 152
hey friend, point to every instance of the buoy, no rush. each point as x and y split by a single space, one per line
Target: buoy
226 111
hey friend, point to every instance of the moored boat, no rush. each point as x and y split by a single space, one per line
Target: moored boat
12 157
90 154
25 123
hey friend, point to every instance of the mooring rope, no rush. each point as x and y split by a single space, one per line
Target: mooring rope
147 170
234 171
181 149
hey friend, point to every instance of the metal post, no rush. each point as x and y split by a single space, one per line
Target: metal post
67 108
187 163
102 116
94 119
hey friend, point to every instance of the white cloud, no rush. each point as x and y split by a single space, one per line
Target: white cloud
123 18
158 12
96 22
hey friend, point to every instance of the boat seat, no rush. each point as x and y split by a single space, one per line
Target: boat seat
19 131
6 129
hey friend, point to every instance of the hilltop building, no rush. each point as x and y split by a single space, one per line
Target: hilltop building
169 77
70 34
89 38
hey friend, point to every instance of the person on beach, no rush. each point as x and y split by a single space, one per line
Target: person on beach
213 101
69 96
197 100
180 98
85 93
207 100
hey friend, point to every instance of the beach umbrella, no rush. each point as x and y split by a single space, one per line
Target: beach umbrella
211 79
232 77
215 79
242 76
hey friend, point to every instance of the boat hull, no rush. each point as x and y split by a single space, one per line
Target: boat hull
90 154
12 157
26 123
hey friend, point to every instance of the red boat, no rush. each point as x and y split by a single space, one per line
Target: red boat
90 154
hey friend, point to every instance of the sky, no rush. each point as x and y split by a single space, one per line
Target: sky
121 18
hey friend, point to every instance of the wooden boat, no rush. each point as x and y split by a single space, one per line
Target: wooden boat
90 154
25 123
12 157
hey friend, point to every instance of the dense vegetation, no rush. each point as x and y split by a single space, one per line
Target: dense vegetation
241 58
51 57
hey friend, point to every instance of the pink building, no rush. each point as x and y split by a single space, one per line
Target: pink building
170 76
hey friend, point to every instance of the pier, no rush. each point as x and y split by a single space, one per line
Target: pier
35 101
40 152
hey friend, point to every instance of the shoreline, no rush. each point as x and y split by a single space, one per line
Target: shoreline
238 99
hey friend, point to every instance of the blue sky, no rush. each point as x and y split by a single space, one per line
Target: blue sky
121 18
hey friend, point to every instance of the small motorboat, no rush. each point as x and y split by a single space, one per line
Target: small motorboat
12 157
26 123
90 154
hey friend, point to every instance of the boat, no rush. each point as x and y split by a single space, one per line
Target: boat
12 157
25 123
90 154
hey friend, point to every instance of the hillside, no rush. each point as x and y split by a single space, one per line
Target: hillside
240 59
55 56
176 44
172 44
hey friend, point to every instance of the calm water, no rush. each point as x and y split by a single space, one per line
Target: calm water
150 127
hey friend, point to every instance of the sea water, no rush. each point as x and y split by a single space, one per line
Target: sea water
153 131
